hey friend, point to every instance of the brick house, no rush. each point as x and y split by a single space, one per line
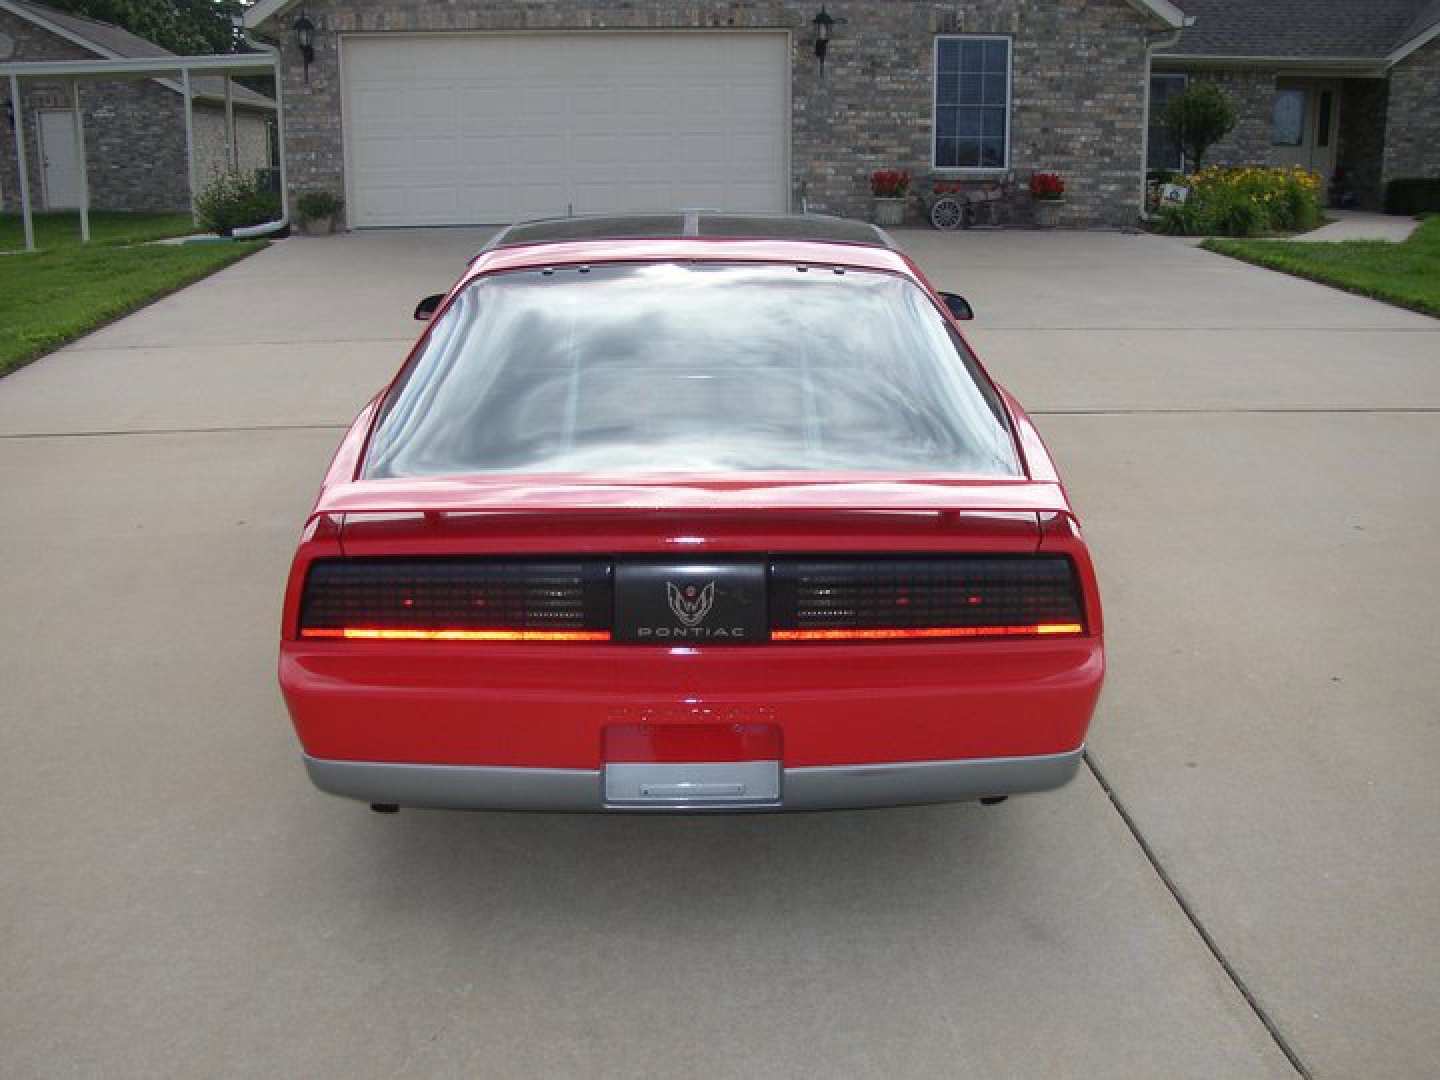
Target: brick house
1333 85
134 130
435 112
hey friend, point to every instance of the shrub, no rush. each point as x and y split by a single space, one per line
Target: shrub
889 183
1247 201
318 204
1413 195
1199 118
233 200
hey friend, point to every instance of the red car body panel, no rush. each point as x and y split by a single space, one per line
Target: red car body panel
576 705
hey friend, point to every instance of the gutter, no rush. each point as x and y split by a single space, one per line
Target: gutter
1162 40
280 224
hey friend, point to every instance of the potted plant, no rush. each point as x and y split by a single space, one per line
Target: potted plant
318 210
1048 191
890 187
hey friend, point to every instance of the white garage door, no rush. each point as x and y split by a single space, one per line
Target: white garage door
468 129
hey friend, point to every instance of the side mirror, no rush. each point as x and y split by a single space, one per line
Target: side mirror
425 309
959 307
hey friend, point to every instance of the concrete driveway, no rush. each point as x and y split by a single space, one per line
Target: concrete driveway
1244 883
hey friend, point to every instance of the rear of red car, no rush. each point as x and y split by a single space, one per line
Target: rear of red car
653 639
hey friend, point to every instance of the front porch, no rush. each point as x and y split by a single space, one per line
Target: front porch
1332 124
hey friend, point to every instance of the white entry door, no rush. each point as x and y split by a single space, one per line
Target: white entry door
471 129
59 160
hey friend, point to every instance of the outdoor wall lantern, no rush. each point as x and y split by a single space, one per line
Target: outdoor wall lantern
824 24
305 38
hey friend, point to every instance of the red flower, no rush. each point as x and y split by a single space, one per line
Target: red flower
889 183
1046 185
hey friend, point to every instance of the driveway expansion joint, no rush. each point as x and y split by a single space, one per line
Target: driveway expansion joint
1276 1035
169 431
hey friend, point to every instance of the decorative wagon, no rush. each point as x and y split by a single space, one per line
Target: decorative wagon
959 204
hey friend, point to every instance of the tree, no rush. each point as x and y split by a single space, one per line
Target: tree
1199 118
182 26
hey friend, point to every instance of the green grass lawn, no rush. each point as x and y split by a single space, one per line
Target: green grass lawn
1407 274
52 297
61 228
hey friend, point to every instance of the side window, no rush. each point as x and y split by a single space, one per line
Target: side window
1164 150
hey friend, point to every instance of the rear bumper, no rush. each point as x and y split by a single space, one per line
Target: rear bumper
827 787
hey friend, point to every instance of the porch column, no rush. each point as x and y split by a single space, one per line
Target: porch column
84 191
189 138
231 149
280 134
20 156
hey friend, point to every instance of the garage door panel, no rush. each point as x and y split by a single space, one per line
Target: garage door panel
480 129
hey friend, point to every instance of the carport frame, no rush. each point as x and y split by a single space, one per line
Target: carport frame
267 62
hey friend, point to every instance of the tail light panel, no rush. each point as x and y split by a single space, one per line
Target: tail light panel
898 598
831 598
457 599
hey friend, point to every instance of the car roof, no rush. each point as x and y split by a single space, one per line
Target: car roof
690 225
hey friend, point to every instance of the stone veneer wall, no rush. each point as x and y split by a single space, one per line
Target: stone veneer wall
134 132
1077 107
1412 133
1362 137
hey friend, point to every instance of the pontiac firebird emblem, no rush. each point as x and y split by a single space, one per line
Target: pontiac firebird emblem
690 604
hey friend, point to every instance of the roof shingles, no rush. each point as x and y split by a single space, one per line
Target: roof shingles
1303 29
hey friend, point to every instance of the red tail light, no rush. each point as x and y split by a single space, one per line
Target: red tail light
899 598
457 600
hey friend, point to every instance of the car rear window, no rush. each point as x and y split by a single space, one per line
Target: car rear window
691 367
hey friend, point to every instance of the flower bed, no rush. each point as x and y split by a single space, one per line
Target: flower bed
1247 201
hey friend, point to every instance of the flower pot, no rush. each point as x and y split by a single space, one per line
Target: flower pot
1048 211
889 211
319 226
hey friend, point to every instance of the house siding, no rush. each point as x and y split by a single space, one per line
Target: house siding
252 143
1412 142
1077 106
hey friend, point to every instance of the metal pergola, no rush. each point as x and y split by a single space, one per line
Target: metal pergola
76 71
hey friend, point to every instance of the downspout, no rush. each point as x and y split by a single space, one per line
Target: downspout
1161 40
269 228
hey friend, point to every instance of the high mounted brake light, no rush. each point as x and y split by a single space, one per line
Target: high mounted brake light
457 599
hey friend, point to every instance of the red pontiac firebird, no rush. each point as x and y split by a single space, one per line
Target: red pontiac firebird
691 512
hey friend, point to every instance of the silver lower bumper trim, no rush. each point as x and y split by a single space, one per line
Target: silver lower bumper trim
829 787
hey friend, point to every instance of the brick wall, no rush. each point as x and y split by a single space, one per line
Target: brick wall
1412 143
1077 107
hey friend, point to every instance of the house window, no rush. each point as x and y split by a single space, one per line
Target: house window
1164 151
972 102
1288 124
